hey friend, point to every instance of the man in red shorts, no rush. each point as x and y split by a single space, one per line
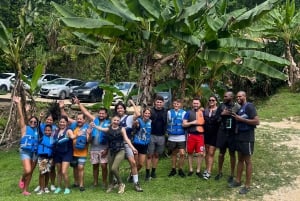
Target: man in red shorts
193 121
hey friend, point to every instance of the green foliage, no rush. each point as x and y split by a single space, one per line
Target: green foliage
108 94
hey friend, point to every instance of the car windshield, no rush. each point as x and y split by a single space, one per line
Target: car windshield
4 76
89 84
123 86
59 81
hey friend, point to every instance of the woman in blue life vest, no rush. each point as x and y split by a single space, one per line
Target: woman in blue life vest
48 121
28 146
63 153
116 137
141 138
45 158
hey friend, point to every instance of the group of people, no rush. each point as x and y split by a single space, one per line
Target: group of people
141 139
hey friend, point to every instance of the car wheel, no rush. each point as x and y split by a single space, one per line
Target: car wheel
62 95
3 88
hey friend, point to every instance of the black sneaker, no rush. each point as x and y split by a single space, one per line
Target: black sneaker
137 187
190 173
75 185
181 173
199 174
219 176
153 175
230 179
244 190
234 184
172 173
81 188
130 179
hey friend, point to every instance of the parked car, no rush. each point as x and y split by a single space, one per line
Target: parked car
6 80
126 88
88 91
59 88
45 78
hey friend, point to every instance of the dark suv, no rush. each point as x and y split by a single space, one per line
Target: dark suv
88 91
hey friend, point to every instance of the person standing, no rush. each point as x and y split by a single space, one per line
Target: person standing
176 137
99 146
157 141
28 146
126 121
116 137
211 128
194 121
247 120
226 134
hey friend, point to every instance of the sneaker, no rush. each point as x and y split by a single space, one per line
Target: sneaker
75 185
37 189
121 188
230 179
204 173
234 184
52 188
137 187
206 176
110 188
40 192
244 190
46 190
115 184
148 178
219 176
190 173
21 184
26 193
181 173
199 174
130 178
153 175
172 173
67 191
81 188
57 190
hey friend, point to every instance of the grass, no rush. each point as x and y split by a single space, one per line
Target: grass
275 165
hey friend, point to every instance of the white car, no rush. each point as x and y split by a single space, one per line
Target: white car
6 80
59 88
125 88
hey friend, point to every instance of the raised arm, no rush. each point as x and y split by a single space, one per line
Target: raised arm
136 112
63 112
93 125
83 109
17 100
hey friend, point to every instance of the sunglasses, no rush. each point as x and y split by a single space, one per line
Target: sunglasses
211 100
33 122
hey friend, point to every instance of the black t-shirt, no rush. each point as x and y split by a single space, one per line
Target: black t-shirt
159 121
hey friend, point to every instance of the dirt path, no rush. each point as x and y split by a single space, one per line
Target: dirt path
287 193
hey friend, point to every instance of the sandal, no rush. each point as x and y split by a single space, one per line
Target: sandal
21 183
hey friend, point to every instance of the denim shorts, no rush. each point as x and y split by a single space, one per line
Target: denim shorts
24 154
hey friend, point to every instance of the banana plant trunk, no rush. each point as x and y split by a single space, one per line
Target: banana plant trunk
293 70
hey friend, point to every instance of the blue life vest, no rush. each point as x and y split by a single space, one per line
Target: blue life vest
142 137
241 125
95 132
81 140
45 146
128 129
175 125
62 142
29 141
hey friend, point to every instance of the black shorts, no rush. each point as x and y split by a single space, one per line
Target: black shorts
225 141
142 149
176 145
246 148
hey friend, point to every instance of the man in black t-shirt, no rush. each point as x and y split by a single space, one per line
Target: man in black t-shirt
157 142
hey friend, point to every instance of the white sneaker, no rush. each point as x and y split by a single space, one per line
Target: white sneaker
40 192
46 190
37 189
52 188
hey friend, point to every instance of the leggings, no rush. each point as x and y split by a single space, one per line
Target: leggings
114 161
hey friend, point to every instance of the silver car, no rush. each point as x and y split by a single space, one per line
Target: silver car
59 88
6 80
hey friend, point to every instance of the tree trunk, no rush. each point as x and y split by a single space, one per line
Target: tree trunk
293 70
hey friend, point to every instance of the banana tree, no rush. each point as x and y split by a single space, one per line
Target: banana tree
283 23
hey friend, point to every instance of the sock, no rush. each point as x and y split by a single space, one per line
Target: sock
153 170
147 172
135 178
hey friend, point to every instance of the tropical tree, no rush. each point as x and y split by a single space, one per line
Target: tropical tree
206 34
283 23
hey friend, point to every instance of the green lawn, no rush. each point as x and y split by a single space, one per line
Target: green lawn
275 165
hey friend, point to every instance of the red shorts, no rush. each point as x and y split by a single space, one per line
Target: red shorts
195 143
